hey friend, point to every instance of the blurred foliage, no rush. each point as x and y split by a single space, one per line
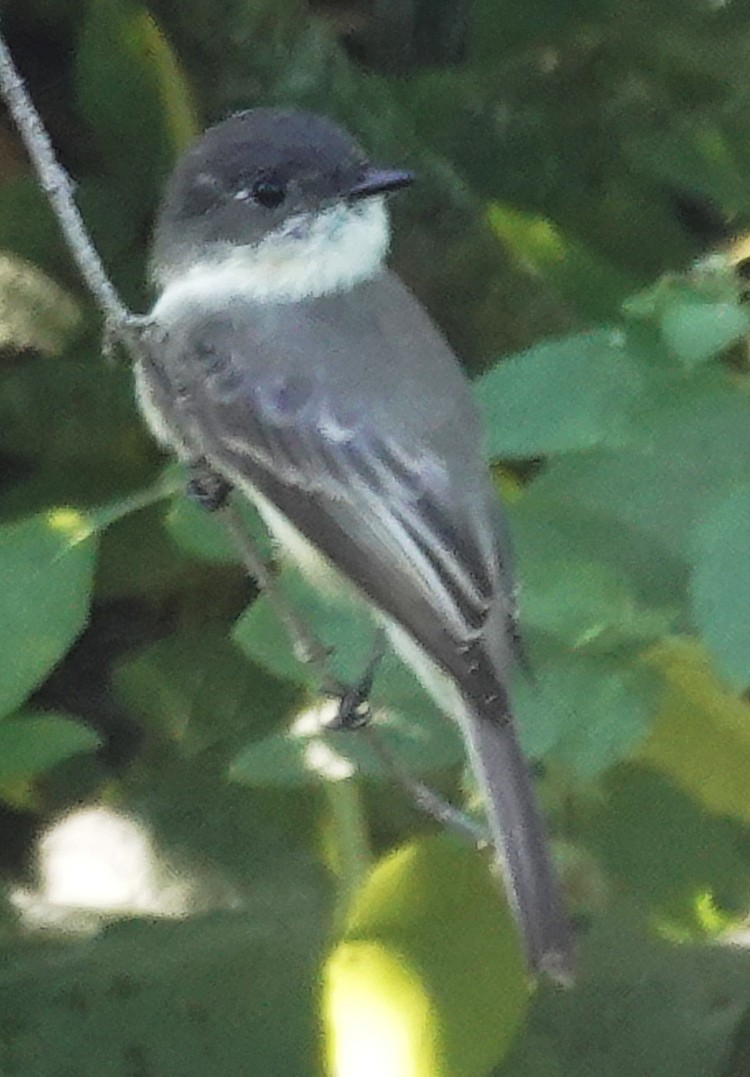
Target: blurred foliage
584 172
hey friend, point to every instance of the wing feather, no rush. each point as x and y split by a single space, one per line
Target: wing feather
401 498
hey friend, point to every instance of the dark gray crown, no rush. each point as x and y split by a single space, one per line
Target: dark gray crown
222 189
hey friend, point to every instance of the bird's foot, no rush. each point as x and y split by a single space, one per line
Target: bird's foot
208 489
354 701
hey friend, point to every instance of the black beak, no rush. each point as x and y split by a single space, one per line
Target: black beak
380 181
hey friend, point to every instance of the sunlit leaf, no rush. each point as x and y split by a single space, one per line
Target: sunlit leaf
417 986
701 735
46 573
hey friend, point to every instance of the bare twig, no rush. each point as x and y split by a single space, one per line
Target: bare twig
307 647
425 798
125 326
58 188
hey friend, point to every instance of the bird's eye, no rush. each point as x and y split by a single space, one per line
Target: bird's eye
268 193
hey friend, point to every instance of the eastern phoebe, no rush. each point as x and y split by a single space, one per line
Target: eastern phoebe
296 367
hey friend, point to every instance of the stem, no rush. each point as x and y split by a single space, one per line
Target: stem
58 188
166 486
352 846
426 799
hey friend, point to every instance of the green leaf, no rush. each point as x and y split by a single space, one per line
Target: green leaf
200 690
696 329
640 1007
411 726
46 573
546 529
132 94
701 735
720 583
226 988
698 318
199 533
137 558
343 627
589 711
68 398
559 396
442 993
586 604
32 743
698 445
662 847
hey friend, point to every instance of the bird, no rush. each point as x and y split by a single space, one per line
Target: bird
288 362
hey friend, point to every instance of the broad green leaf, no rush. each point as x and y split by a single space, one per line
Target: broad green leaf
428 980
589 711
82 408
720 583
32 743
227 988
698 318
46 573
561 395
411 727
199 689
586 604
342 626
698 445
701 733
137 559
548 529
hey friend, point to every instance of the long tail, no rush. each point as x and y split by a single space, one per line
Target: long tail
520 839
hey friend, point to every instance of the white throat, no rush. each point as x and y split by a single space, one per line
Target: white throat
341 247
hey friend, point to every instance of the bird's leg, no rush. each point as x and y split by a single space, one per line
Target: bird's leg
207 488
354 702
211 491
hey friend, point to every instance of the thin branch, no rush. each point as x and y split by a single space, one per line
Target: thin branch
307 647
426 799
58 188
124 325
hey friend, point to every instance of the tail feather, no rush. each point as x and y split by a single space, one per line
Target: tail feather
520 840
